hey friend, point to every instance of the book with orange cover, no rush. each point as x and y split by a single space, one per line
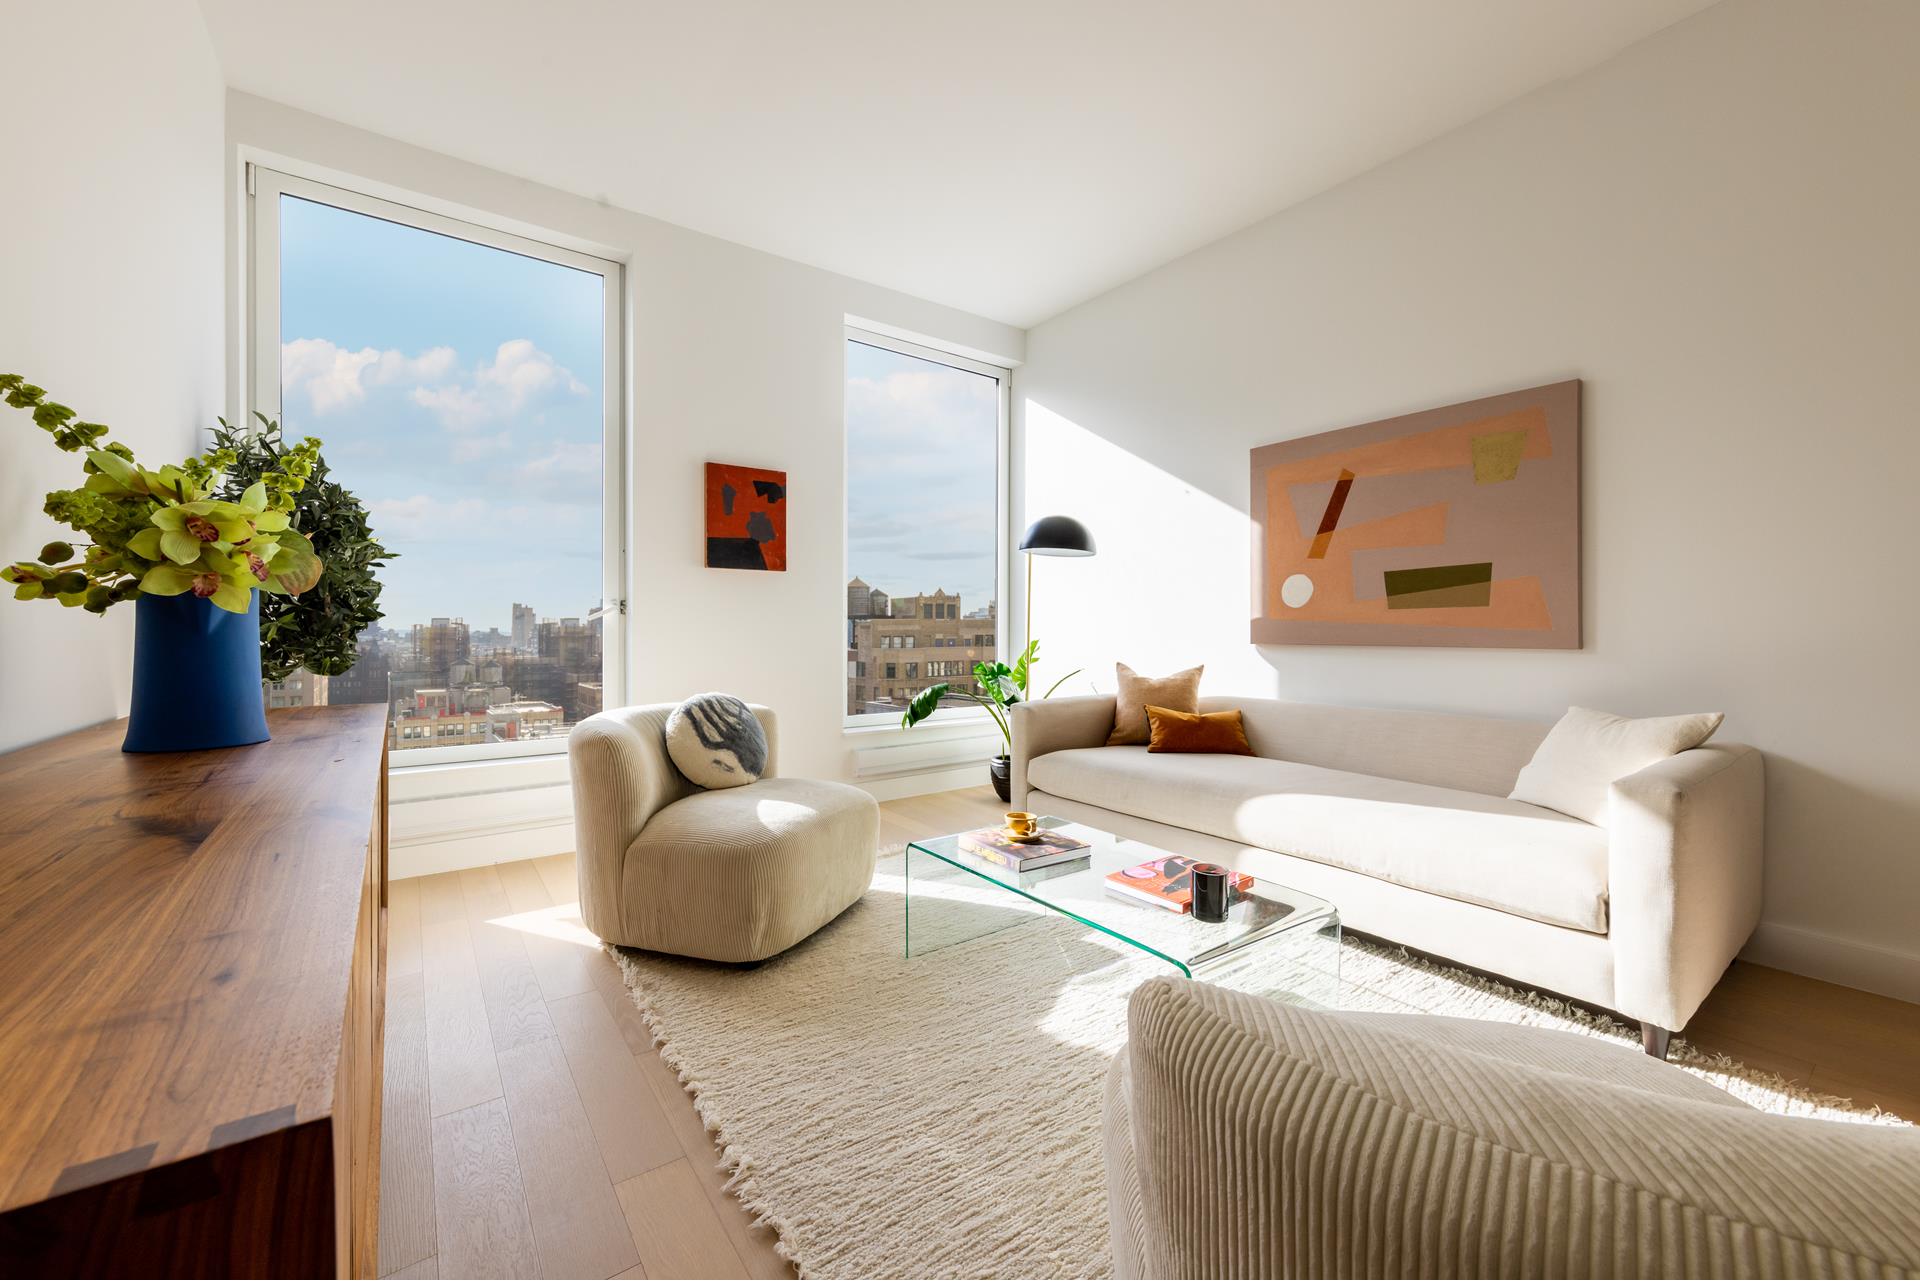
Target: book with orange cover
1166 882
994 845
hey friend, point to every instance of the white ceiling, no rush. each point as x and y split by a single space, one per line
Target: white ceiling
1009 157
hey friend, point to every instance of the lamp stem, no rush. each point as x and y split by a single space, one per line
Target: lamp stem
1028 619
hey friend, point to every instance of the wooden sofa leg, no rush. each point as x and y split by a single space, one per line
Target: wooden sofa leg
1654 1040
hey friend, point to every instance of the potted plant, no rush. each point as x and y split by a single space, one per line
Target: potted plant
318 628
195 565
1001 687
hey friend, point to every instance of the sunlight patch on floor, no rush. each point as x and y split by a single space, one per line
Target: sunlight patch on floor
561 921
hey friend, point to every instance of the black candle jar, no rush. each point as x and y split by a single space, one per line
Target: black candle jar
1210 894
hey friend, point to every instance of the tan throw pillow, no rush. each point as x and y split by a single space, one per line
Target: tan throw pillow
1180 691
1576 764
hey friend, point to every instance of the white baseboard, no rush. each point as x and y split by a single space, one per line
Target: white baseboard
972 774
1867 966
425 856
450 831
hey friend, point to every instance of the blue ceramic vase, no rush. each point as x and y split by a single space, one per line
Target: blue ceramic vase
196 676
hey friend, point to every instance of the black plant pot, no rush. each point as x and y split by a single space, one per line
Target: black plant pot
1001 769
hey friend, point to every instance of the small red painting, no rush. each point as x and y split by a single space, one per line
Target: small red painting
746 517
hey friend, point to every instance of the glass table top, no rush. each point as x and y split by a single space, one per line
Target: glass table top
1079 889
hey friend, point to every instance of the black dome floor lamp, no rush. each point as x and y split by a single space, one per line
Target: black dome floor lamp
1051 536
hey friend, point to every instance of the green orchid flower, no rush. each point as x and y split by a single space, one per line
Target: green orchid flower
265 517
118 474
294 566
159 530
146 545
29 580
171 483
186 529
227 587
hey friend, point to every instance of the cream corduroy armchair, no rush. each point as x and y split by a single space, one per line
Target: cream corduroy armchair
1246 1138
736 874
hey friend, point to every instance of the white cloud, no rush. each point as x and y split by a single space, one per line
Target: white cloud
519 374
469 448
425 518
435 362
334 378
458 408
905 401
921 460
568 470
521 371
328 374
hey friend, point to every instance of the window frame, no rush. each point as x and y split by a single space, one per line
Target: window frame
262 392
1003 542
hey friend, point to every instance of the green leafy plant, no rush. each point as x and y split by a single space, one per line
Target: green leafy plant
162 533
1001 687
317 629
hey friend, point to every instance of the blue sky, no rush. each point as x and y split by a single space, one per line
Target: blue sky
922 475
458 390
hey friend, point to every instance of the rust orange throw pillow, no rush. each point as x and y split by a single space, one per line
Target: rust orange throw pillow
1218 732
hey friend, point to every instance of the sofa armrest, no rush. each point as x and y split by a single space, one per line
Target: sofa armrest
1683 877
1054 725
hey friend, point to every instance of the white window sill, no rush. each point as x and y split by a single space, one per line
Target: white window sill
409 759
412 781
940 724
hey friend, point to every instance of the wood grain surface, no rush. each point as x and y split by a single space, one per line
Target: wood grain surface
192 971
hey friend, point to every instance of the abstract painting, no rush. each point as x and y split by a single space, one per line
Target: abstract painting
746 517
1455 526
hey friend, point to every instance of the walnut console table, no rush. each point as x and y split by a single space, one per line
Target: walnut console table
192 973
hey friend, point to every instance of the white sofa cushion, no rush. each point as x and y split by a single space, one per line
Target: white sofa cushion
1587 751
1489 850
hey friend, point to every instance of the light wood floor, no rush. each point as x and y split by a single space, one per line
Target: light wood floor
530 1128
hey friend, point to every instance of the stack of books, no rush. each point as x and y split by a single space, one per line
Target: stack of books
995 846
1166 882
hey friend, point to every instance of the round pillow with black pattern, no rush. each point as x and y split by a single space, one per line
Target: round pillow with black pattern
716 741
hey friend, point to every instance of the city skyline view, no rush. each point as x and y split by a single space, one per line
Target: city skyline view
923 468
923 547
458 390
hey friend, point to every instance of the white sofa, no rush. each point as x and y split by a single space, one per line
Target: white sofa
1246 1138
1401 819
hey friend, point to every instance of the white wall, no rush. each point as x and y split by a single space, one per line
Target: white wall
110 252
736 356
1720 232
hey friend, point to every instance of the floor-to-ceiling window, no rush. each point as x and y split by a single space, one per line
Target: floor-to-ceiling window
465 383
926 482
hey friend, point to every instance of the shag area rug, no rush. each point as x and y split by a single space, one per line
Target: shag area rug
940 1116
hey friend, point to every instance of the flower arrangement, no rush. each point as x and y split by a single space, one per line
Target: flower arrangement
160 533
318 629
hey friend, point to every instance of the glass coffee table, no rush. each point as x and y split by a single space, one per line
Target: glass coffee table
1287 942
